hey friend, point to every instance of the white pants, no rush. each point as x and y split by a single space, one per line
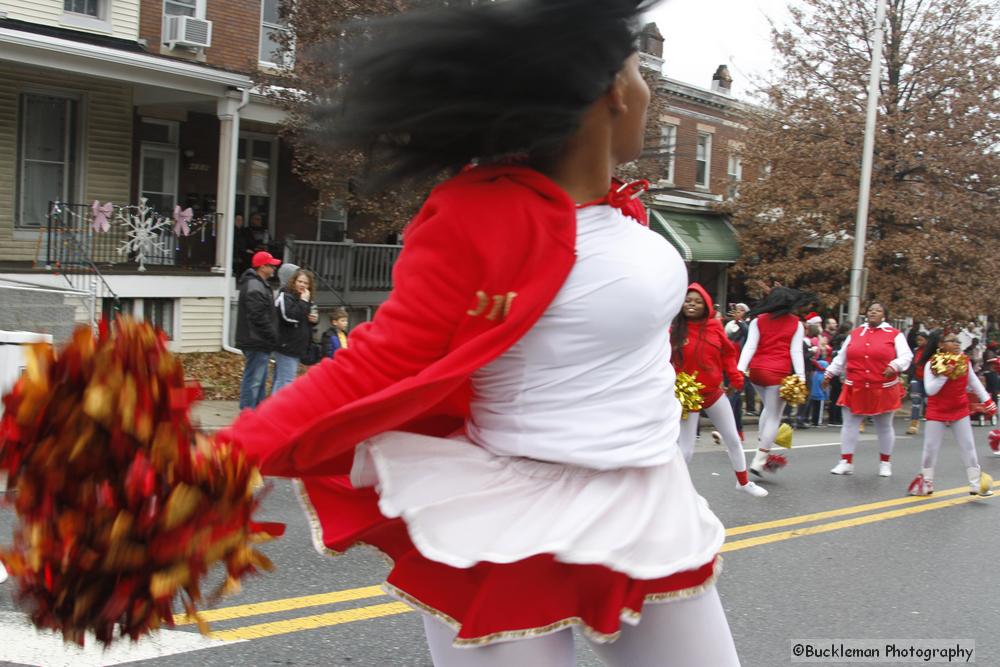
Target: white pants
850 432
682 633
721 415
934 435
770 415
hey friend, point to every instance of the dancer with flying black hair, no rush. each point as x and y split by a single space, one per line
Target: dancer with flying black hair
773 349
505 429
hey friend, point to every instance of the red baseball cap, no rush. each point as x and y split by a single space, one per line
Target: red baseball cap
263 257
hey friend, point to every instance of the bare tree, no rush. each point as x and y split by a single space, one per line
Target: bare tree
933 223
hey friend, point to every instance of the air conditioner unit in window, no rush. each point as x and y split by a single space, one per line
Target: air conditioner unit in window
187 31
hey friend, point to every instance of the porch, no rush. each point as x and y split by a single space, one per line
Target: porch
348 274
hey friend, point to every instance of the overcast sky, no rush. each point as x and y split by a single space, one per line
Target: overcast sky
700 35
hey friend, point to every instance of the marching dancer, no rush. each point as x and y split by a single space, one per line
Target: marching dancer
505 429
871 359
702 349
774 346
948 377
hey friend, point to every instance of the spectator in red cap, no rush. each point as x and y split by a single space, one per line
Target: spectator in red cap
256 327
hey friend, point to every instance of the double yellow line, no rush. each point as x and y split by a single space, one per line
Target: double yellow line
881 511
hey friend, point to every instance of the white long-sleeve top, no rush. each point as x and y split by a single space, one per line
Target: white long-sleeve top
795 350
934 383
904 356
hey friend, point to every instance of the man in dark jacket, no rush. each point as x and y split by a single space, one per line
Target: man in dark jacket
256 327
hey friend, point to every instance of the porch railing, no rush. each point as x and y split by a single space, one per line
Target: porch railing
346 267
127 235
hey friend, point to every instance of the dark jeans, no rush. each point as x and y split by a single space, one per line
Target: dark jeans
736 400
836 415
917 399
254 383
750 396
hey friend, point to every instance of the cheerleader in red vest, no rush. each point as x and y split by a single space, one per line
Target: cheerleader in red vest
702 349
772 351
948 407
505 429
870 360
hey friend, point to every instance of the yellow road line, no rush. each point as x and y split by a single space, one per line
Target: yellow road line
927 503
847 523
286 604
843 511
312 622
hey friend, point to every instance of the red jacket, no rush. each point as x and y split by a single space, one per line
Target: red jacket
482 261
708 352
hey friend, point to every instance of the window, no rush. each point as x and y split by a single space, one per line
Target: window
735 173
703 159
90 8
181 8
332 223
668 148
160 313
271 26
256 173
47 155
159 164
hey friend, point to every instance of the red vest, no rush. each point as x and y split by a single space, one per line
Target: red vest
773 351
951 403
868 355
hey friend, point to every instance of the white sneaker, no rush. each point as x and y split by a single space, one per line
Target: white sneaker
752 489
884 469
3 571
717 437
843 468
757 465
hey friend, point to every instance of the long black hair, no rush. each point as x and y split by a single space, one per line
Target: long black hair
782 301
429 91
931 348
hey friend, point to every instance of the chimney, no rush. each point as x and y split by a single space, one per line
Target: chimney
651 41
722 81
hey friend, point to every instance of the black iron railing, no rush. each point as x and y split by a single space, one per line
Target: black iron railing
127 235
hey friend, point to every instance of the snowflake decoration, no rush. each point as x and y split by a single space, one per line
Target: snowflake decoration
144 229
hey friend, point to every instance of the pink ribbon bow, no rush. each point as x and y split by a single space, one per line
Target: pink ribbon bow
181 220
101 216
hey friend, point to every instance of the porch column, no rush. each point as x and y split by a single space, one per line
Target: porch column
228 111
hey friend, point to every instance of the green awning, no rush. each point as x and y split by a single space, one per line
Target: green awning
698 237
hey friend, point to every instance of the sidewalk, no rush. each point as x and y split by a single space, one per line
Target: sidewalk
214 415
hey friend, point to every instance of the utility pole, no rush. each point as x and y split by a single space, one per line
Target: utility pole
864 194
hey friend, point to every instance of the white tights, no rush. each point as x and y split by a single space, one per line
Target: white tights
721 415
934 435
850 431
682 633
770 415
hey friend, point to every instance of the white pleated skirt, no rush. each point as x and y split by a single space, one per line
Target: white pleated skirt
463 505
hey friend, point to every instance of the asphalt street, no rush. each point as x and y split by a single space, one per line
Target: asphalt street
822 557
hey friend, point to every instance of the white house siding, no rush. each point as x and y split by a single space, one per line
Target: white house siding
201 324
124 16
106 114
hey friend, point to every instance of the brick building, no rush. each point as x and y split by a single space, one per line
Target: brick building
697 166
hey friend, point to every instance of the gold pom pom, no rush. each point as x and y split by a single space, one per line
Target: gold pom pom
793 390
784 437
952 366
985 484
688 392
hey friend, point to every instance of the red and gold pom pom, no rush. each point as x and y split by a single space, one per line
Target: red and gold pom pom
793 390
122 506
994 440
952 366
687 389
